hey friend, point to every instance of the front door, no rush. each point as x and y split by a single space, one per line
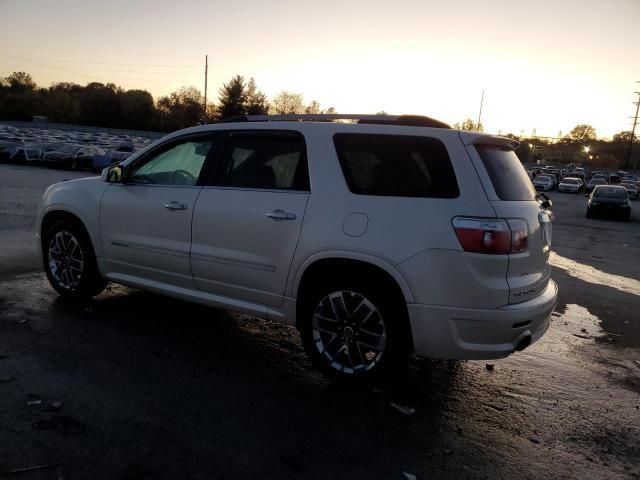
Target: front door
249 215
146 222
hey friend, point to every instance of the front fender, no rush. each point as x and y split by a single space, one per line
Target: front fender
80 198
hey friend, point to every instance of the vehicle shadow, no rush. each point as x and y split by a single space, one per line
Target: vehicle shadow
199 391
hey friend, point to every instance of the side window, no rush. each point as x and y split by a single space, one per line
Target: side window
396 165
275 161
179 164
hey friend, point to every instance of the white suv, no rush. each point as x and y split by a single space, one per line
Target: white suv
377 237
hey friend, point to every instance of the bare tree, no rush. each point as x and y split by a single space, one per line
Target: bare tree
286 103
469 125
313 107
624 137
582 133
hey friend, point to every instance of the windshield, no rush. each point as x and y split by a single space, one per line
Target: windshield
571 181
597 182
610 192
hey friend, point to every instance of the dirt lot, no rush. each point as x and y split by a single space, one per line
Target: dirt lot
133 385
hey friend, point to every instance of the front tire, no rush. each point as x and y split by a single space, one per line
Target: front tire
355 332
70 262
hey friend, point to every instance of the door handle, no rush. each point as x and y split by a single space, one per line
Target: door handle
175 206
281 215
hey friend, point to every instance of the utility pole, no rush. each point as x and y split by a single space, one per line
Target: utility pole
633 132
480 113
206 71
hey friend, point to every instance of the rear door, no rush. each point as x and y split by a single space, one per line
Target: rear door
513 196
248 217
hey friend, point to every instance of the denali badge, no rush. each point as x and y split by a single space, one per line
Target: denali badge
525 292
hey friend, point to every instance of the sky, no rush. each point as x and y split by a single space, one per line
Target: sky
546 65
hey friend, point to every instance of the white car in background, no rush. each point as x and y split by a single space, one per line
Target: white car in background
544 183
378 238
571 185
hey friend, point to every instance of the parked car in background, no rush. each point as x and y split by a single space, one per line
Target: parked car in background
631 188
594 183
70 156
609 201
27 153
578 174
571 185
614 179
112 157
544 183
7 149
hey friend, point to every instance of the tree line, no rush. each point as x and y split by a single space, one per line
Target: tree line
109 105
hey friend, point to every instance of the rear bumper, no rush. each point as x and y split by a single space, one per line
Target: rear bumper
608 210
474 334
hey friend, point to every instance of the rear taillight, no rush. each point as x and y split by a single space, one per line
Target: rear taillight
493 236
519 235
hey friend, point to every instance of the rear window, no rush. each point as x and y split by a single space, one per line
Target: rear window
571 181
509 178
396 165
610 192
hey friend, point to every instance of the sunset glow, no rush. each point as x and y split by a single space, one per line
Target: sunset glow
544 65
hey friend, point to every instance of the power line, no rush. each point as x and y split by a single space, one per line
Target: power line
37 60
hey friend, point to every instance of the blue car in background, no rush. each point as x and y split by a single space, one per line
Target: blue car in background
112 157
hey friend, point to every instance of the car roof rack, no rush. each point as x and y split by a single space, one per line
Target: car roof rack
402 120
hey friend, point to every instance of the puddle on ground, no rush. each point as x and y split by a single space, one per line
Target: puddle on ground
579 322
590 274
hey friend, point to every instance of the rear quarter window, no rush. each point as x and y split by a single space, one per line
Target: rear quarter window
396 165
508 176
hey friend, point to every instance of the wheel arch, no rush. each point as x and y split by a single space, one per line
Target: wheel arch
341 259
56 213
337 263
369 268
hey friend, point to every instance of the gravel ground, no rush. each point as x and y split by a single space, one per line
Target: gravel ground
132 385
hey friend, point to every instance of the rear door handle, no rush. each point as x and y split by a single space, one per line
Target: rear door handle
175 206
281 215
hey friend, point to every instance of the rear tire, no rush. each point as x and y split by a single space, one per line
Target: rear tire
355 331
70 262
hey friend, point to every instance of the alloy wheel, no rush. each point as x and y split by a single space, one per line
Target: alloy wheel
349 332
66 260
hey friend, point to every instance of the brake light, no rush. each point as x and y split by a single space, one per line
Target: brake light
492 236
519 235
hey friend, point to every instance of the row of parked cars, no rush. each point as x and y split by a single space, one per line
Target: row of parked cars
66 149
578 180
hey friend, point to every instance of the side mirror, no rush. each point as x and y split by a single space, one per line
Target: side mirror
586 194
113 174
